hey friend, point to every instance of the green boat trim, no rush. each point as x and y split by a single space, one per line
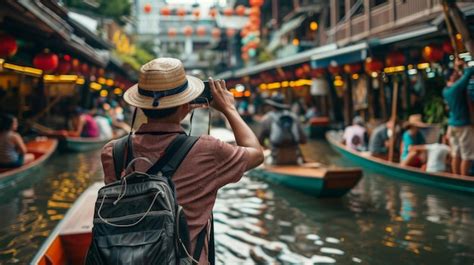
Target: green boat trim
319 182
440 180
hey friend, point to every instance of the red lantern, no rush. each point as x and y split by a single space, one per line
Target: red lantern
317 72
254 11
245 56
373 65
85 69
147 8
172 32
230 32
252 45
395 58
64 65
188 31
216 33
447 47
201 31
228 11
254 20
289 75
196 13
181 12
432 53
240 10
299 72
352 68
8 45
256 2
165 11
306 68
75 64
334 69
46 61
213 12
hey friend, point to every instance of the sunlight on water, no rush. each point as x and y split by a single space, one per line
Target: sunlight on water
381 221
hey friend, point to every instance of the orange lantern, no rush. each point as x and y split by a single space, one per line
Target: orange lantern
252 45
230 32
306 68
213 12
172 32
46 61
8 45
228 11
395 58
216 33
240 10
165 11
352 68
196 13
245 56
432 53
254 11
255 20
147 8
188 31
299 72
201 31
256 2
181 12
373 65
75 65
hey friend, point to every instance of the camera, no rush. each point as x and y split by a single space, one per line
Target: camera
206 95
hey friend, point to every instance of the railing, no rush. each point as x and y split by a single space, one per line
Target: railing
409 8
380 16
358 25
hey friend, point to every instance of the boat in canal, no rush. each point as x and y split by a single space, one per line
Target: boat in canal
317 127
311 178
439 179
42 148
84 144
69 242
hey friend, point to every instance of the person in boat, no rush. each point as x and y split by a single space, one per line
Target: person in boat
412 136
165 93
355 136
379 140
284 133
105 127
437 155
83 125
461 130
13 152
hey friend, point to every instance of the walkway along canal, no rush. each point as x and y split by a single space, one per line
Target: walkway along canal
381 221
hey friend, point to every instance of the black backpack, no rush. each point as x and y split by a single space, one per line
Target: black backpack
137 219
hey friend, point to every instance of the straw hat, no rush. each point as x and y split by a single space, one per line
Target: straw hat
277 101
163 84
415 120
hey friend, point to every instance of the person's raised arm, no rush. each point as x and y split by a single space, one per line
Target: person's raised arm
223 101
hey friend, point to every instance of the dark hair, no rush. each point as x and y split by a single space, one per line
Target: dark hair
159 113
6 122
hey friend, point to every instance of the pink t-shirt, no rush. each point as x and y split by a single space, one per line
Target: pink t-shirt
354 136
209 165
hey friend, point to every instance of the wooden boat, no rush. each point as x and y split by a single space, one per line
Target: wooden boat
83 144
440 180
312 179
41 148
317 127
69 241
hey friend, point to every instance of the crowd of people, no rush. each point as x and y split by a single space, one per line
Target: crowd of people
452 152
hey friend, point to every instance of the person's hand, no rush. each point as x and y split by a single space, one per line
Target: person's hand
223 100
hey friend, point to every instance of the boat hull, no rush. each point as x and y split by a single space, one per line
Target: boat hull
439 180
82 144
325 183
42 149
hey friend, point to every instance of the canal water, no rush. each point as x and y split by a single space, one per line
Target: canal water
381 221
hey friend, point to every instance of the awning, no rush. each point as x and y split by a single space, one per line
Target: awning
282 62
345 55
285 28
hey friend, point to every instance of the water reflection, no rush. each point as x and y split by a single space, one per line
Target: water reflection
381 221
32 211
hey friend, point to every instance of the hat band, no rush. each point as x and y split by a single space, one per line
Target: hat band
156 95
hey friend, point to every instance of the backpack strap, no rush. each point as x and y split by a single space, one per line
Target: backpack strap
120 149
200 244
174 155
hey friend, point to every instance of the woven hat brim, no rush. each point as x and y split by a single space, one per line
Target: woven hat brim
194 90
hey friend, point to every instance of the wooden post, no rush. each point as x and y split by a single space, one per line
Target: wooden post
383 100
391 148
451 10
